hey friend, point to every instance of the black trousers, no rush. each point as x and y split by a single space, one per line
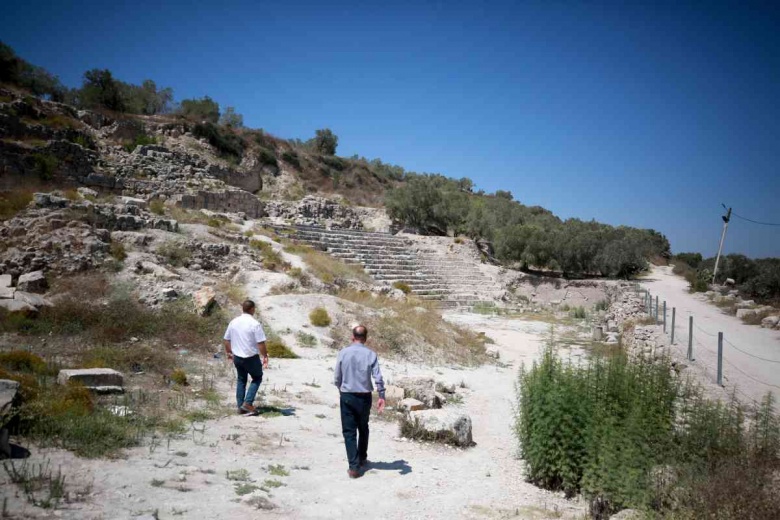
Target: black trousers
355 411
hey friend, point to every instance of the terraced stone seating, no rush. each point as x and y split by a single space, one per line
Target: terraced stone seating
388 258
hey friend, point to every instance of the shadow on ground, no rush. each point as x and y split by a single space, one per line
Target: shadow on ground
401 466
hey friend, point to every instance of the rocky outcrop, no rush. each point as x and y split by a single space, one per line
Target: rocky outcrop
230 201
34 282
319 211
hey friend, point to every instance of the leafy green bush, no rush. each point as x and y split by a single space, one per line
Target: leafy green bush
45 165
117 251
203 109
277 349
579 313
140 140
319 317
179 377
305 339
292 159
633 435
226 142
157 207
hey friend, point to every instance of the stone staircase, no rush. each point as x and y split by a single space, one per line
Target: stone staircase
452 283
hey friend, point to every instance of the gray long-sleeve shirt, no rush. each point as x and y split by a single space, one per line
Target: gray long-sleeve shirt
355 367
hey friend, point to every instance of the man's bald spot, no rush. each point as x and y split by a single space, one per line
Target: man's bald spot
360 332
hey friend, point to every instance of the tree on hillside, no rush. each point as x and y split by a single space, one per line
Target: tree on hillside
147 99
203 109
40 82
101 90
231 118
325 142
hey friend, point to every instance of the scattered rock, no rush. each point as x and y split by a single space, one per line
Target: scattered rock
745 313
9 400
204 301
87 192
746 304
99 380
32 299
598 333
34 282
6 280
393 395
7 293
411 405
492 352
627 514
447 426
423 389
169 293
770 322
18 307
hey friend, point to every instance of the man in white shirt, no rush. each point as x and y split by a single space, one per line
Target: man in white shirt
244 342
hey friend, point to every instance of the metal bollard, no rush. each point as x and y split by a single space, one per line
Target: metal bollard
656 310
720 359
664 316
674 312
690 338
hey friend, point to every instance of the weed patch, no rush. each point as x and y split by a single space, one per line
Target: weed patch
319 317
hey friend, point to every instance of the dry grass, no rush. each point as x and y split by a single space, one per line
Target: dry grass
414 330
319 317
326 267
12 202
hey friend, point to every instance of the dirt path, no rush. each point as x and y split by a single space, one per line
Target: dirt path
744 345
187 476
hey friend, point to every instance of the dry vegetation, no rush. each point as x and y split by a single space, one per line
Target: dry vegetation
414 330
325 267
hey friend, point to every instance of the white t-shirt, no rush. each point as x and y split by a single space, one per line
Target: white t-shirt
244 333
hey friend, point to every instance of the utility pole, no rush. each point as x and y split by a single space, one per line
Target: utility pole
726 219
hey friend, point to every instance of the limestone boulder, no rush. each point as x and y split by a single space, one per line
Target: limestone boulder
9 401
32 299
7 293
5 280
746 304
745 313
17 307
204 300
627 514
394 395
34 282
448 426
770 322
99 380
423 389
411 405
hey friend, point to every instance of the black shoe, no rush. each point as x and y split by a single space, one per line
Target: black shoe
364 463
353 473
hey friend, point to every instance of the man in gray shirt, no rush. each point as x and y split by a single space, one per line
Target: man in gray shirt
355 367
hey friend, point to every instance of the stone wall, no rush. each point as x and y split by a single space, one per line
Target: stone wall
322 212
229 201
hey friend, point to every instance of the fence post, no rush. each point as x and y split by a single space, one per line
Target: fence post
674 312
656 309
664 316
690 338
720 359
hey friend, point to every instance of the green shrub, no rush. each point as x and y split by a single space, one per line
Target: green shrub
306 340
174 253
140 140
266 157
12 202
157 207
117 251
23 361
277 349
403 287
179 377
225 141
45 165
292 159
319 317
579 313
601 305
631 434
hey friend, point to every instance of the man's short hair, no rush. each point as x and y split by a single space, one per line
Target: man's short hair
360 332
248 306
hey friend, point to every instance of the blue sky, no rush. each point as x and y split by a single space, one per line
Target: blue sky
643 115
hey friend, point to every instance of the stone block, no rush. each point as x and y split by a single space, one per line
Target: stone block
393 395
598 333
5 280
100 380
745 313
770 322
35 300
34 282
412 405
17 307
7 293
445 425
746 304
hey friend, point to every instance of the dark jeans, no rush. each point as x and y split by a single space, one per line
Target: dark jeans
254 367
355 410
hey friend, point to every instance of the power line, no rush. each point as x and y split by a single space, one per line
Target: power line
755 221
